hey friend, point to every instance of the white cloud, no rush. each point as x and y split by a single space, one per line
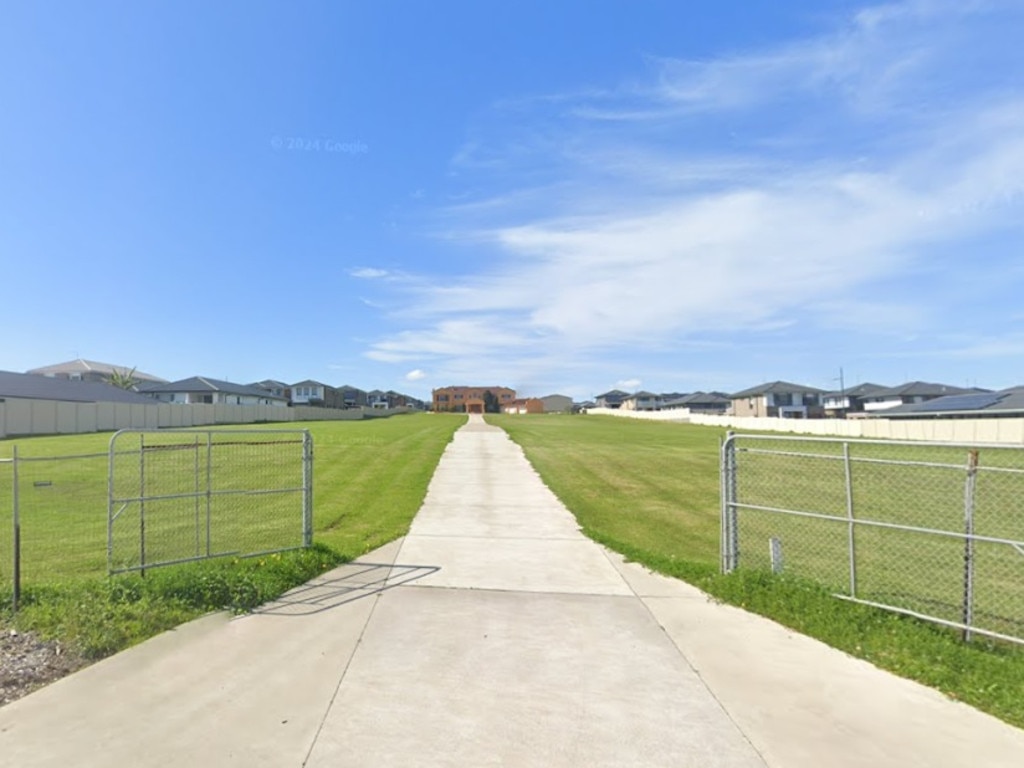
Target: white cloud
647 243
630 385
369 273
416 375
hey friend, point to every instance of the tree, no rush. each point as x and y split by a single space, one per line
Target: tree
123 379
491 402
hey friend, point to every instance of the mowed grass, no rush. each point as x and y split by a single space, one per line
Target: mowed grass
650 491
915 486
370 478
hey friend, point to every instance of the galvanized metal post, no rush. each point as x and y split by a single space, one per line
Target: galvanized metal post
195 485
969 489
209 487
852 548
307 489
16 597
730 533
111 453
142 504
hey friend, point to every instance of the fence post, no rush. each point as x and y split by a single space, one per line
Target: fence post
969 488
730 537
307 489
16 538
852 521
142 504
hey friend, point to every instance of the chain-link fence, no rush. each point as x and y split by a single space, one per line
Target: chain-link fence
155 498
933 530
52 518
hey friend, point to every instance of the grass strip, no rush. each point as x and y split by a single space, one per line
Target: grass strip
649 491
370 478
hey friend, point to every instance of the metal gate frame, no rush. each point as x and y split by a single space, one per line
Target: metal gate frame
731 506
117 505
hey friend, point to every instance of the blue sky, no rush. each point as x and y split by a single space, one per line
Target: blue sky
553 196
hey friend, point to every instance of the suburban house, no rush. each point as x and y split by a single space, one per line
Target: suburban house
850 400
316 393
30 386
911 392
398 400
699 402
90 370
778 398
276 388
611 399
377 398
557 403
463 399
524 405
352 397
974 405
641 401
200 389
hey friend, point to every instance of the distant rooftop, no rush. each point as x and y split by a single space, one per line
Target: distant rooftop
81 366
30 386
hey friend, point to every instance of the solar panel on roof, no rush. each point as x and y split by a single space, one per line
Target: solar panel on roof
973 402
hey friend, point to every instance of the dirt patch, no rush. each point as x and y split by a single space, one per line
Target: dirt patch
28 663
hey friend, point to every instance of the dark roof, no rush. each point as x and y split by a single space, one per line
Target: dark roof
776 388
641 393
969 403
270 383
37 387
312 382
92 366
867 389
700 397
206 384
923 389
613 394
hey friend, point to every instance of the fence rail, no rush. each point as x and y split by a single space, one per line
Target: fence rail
932 530
154 498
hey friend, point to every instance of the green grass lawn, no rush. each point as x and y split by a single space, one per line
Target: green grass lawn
650 491
370 478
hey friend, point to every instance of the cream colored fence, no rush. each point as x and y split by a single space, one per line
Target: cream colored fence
50 417
1005 431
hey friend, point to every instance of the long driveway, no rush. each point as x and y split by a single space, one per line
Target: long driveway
494 634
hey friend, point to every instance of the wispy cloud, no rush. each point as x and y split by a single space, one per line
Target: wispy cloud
369 273
647 240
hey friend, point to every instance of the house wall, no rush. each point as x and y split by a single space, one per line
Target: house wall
556 403
51 417
750 406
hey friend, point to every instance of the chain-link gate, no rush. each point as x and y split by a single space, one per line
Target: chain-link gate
179 496
932 530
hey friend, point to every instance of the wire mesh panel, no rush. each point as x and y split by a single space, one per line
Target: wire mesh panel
59 503
931 530
176 496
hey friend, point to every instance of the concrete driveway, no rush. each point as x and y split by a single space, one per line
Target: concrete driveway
494 634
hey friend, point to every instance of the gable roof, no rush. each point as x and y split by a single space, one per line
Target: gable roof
641 394
91 366
613 394
313 383
777 388
867 389
205 384
700 397
923 389
1005 402
31 386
